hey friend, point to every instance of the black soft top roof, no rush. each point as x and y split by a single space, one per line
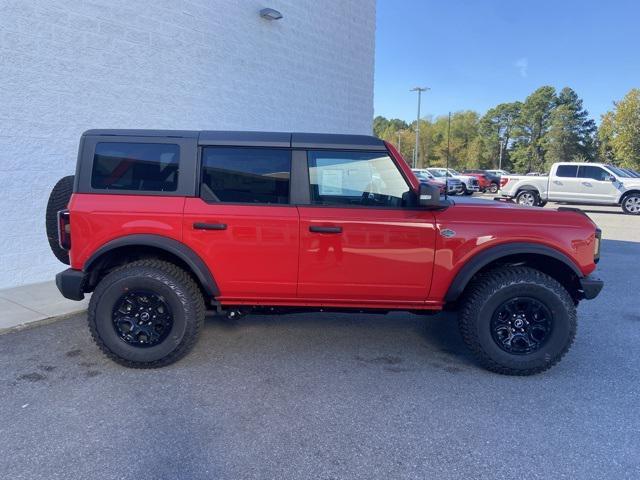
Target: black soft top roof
257 139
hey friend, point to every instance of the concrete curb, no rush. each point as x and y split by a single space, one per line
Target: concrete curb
37 302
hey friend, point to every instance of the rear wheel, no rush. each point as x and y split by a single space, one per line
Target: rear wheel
517 320
528 198
631 204
146 314
58 200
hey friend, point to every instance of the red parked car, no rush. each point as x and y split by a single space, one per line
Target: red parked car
163 226
486 181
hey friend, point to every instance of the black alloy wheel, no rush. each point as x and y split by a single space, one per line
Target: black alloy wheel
142 318
521 325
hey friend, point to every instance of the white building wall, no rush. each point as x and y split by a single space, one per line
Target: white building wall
70 65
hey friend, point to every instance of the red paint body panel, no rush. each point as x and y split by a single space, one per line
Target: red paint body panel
97 219
256 256
479 227
383 258
381 254
483 181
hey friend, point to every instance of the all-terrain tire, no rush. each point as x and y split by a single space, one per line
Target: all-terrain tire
631 204
169 282
58 200
489 291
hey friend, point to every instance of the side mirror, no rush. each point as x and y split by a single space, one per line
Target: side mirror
428 196
612 178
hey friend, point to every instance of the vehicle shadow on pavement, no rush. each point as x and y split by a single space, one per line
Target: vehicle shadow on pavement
424 341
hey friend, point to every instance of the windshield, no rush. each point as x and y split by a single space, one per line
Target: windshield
618 172
437 173
453 172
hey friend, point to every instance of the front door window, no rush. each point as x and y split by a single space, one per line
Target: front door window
356 178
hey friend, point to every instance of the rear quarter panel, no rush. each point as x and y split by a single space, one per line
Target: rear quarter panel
97 219
478 228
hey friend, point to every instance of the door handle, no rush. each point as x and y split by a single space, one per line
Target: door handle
320 229
557 182
209 226
587 184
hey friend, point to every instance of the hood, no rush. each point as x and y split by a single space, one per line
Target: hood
630 182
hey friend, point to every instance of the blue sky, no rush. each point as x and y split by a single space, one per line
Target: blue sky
476 54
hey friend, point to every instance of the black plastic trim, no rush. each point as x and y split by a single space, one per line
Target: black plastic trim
482 259
591 287
180 250
245 139
299 191
209 226
314 141
70 282
142 133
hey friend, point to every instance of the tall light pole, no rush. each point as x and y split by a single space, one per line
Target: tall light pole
415 152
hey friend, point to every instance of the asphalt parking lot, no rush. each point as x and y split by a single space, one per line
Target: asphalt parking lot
332 396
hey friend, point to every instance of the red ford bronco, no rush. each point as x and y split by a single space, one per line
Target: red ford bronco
164 225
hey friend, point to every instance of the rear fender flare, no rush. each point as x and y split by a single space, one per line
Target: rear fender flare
169 245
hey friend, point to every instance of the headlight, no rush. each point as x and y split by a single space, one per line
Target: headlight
598 241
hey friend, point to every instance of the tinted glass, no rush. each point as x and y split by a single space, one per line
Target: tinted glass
246 175
567 171
621 172
136 166
355 178
596 173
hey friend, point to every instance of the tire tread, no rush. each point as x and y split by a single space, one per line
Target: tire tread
483 286
148 267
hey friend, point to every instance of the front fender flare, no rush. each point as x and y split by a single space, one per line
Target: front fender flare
484 258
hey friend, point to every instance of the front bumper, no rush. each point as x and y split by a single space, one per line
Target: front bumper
71 282
590 287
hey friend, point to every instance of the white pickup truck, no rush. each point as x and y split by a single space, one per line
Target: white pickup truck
579 183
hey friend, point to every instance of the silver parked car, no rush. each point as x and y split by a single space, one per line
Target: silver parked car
454 186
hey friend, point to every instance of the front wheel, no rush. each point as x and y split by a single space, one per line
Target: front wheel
493 188
146 314
466 191
528 198
517 320
631 204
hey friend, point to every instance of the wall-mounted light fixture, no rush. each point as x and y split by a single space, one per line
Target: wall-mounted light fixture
270 14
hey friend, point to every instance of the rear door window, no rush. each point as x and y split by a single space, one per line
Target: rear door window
152 167
246 175
569 171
